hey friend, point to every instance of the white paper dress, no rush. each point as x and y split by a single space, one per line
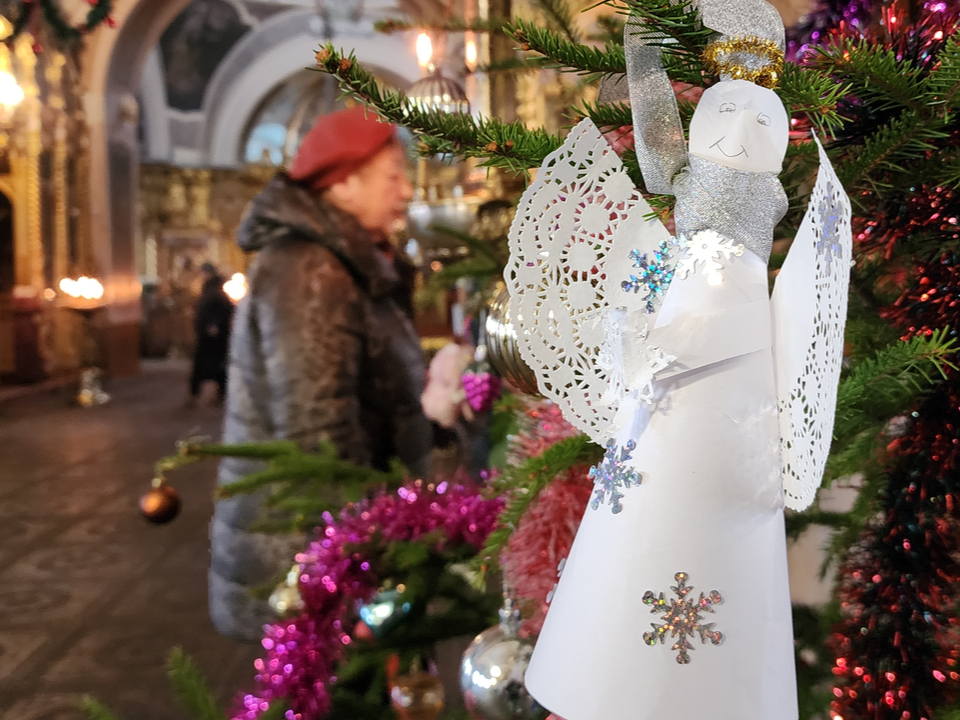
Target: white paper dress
715 404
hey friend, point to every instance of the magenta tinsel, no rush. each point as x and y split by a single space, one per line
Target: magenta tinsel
335 576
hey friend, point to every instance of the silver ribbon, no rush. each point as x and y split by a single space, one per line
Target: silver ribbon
657 132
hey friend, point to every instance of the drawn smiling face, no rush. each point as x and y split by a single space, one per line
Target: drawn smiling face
740 125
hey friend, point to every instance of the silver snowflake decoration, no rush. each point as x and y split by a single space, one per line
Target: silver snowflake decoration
613 475
703 252
654 276
828 237
682 618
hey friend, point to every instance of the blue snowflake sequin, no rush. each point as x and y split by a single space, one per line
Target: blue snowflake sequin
613 474
828 240
654 277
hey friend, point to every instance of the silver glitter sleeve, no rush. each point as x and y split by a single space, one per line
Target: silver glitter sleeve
743 206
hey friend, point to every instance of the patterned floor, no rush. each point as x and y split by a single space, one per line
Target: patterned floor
92 597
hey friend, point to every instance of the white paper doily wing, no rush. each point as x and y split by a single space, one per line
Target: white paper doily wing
569 251
809 315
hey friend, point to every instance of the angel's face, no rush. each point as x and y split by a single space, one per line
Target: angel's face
740 125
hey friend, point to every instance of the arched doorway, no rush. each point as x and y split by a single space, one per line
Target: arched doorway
112 70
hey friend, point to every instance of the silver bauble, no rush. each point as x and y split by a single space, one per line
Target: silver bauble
502 349
491 674
384 612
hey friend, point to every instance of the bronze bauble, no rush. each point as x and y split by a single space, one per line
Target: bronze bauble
160 504
417 696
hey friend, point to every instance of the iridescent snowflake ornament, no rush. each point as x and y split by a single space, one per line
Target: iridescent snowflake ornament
654 276
682 618
828 235
613 474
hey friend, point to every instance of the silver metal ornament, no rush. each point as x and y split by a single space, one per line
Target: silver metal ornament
491 674
502 350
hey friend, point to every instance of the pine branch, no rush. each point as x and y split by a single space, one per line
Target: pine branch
942 86
523 484
607 115
796 523
804 91
477 268
874 74
559 16
564 53
948 172
883 386
505 145
610 29
686 69
812 94
305 485
878 389
906 137
453 25
675 27
95 710
191 688
518 64
254 451
871 485
475 245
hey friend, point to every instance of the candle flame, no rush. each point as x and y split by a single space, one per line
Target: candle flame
236 287
424 49
83 287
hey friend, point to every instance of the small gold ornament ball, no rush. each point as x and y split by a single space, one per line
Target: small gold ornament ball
286 602
160 504
417 696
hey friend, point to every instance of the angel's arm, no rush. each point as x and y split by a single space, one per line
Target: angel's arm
658 134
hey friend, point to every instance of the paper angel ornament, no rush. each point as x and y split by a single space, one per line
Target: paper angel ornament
714 402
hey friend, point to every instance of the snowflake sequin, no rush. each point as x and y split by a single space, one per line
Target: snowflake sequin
828 237
682 618
613 474
656 272
703 252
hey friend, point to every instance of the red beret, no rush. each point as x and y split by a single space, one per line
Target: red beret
338 145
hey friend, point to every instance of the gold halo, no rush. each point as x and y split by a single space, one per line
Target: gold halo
717 59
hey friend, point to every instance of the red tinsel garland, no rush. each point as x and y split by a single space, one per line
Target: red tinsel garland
897 648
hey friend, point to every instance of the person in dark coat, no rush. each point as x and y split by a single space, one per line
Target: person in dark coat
213 314
321 349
